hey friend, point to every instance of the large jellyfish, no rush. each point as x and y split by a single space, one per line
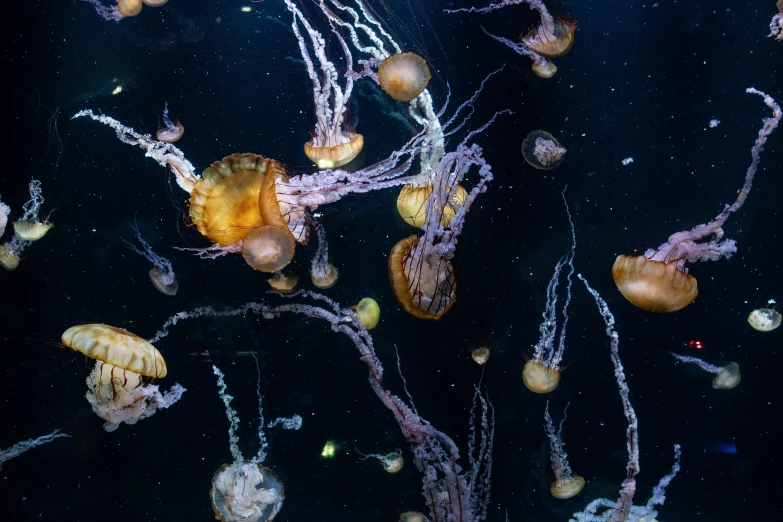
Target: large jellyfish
117 392
323 274
623 510
542 372
245 490
161 273
566 484
659 280
726 377
26 445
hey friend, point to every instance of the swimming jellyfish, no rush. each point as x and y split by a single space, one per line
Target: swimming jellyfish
323 274
542 150
246 491
566 483
172 131
283 283
117 392
391 462
412 204
161 273
480 355
726 377
26 445
368 312
404 76
658 281
765 319
30 227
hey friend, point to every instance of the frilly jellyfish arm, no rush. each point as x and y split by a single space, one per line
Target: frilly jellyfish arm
21 447
109 13
537 5
707 367
166 272
519 48
320 267
683 247
658 496
32 208
170 125
165 154
233 418
776 26
288 423
557 453
16 246
4 211
213 251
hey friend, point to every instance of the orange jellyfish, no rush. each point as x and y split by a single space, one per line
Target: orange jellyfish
566 484
552 38
542 150
172 131
411 204
283 283
117 392
129 7
268 248
658 281
404 76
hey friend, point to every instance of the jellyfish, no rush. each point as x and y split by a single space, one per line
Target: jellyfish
117 392
542 150
412 516
368 312
245 490
11 253
330 146
154 3
480 355
391 462
115 13
542 372
268 248
411 204
658 281
726 377
4 211
765 319
283 283
776 25
322 273
30 227
161 273
172 131
26 445
566 483
404 76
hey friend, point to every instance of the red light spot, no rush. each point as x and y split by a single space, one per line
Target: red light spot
696 344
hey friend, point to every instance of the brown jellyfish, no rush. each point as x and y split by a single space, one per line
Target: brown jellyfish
542 150
654 286
172 131
283 283
368 312
404 76
544 68
540 378
332 156
424 285
412 204
129 7
551 40
480 355
280 211
268 248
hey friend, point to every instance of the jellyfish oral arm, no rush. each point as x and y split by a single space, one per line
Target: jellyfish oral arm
4 211
108 13
557 453
707 367
776 27
21 447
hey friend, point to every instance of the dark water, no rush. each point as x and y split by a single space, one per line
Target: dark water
643 80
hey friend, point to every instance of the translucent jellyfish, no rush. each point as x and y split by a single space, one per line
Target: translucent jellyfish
542 150
283 283
30 227
330 146
404 76
411 204
161 273
480 355
659 280
566 484
245 490
154 3
4 211
391 462
368 312
726 377
11 253
322 273
542 372
412 516
268 248
765 319
172 131
21 447
117 392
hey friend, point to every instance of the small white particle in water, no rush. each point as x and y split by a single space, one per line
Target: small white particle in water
627 160
714 123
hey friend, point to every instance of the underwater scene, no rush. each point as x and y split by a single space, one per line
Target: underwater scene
392 260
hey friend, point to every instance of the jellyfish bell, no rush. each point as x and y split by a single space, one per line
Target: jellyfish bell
325 278
480 355
404 76
268 248
412 516
8 259
542 150
31 231
568 488
551 42
764 319
544 69
129 7
540 378
283 283
171 134
368 312
166 283
330 157
246 492
424 289
154 3
654 286
412 204
728 378
117 347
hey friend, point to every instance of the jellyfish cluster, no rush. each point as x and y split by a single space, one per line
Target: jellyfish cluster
270 210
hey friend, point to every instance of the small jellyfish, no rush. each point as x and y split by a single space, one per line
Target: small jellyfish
172 131
268 248
154 3
566 484
30 227
412 204
404 76
117 392
161 274
368 312
552 38
322 273
283 283
480 355
542 150
726 377
129 7
412 516
764 319
391 462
